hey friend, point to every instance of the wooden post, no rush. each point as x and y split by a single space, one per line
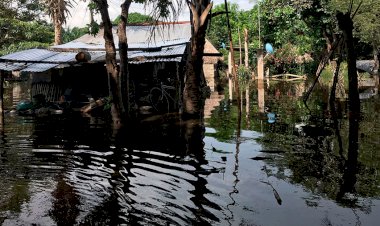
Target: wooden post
260 64
247 105
240 52
1 102
261 95
246 58
229 74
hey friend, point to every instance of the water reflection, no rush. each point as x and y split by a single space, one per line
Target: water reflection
261 95
66 170
133 182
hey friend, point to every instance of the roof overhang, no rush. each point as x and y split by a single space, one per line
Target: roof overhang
40 60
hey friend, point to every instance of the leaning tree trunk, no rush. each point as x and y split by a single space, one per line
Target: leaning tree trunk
194 80
346 25
111 65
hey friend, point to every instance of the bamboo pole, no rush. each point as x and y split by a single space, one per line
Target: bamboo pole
234 72
246 63
240 52
246 58
230 86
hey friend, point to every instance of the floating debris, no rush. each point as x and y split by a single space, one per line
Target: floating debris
220 151
275 193
258 158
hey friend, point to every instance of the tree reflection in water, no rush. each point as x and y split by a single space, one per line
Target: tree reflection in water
162 171
65 204
139 180
317 158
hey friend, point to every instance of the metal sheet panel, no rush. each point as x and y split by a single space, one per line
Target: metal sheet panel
39 67
169 51
154 60
137 36
30 54
12 66
62 57
78 46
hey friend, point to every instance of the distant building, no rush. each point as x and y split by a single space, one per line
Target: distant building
210 65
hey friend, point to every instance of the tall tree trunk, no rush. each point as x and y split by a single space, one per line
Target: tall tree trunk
346 25
349 175
57 33
111 65
193 97
123 51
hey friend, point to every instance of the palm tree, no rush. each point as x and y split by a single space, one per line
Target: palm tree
58 10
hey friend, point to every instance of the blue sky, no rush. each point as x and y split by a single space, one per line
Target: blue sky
80 16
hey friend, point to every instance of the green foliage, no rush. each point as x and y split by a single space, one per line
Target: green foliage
366 20
18 35
328 74
21 26
19 46
288 59
135 18
281 23
74 33
218 32
25 10
244 76
58 10
93 28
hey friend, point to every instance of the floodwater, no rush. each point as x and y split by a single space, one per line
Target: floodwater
285 164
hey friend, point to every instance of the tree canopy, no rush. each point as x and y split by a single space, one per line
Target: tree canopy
22 26
135 18
298 29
